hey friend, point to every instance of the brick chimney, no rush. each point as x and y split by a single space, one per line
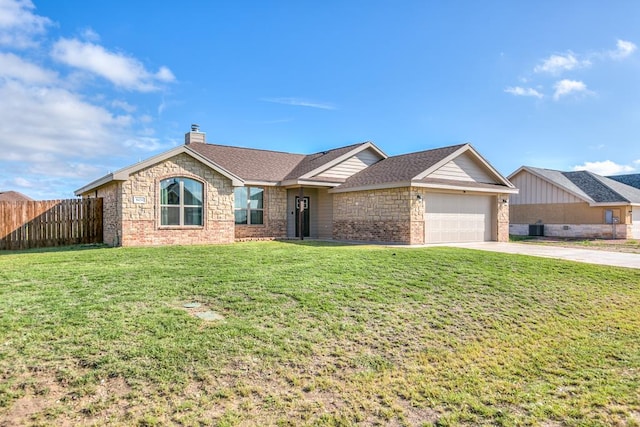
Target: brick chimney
194 136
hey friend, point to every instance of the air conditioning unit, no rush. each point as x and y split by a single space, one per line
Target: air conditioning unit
536 229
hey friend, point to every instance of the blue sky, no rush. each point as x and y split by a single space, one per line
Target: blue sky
89 87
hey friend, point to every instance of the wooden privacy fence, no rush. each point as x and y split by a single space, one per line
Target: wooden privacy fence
42 223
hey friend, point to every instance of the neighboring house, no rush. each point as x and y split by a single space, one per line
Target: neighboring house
14 196
207 193
631 179
573 204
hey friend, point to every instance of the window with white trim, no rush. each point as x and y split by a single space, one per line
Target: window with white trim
249 205
181 202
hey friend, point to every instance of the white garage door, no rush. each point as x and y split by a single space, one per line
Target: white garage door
458 218
635 221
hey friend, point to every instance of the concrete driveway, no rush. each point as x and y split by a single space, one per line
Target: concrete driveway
616 259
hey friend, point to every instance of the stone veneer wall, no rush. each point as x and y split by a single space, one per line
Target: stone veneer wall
417 215
275 218
394 215
111 213
579 231
374 215
141 221
502 216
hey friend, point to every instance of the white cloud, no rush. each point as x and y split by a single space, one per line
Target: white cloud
165 75
556 64
56 134
144 143
54 120
301 103
90 35
121 70
123 105
21 182
605 168
623 49
19 25
566 87
521 91
15 68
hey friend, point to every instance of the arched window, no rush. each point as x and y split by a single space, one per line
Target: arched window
181 201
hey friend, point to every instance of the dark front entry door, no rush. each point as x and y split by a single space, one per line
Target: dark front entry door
305 217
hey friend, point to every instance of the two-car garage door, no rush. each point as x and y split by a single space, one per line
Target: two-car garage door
459 218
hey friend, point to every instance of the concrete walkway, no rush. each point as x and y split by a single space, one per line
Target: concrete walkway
616 259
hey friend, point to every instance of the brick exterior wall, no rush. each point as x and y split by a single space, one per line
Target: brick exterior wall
275 218
140 224
375 216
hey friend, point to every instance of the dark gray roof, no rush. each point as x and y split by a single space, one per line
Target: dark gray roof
596 189
589 186
631 179
399 168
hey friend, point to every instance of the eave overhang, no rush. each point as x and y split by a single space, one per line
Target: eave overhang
124 173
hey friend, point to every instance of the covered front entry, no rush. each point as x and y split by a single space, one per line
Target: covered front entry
317 217
453 218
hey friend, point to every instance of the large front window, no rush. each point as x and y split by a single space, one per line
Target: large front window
181 201
249 205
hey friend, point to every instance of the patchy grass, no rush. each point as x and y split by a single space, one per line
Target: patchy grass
316 334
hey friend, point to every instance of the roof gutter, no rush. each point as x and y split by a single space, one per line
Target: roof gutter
400 184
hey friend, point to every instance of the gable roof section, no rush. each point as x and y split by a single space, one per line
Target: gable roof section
588 186
414 169
315 164
279 168
630 179
124 173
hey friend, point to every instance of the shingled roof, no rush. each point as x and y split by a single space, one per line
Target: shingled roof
249 163
588 186
271 166
631 179
249 166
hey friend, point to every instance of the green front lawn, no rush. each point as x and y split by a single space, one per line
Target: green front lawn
316 334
